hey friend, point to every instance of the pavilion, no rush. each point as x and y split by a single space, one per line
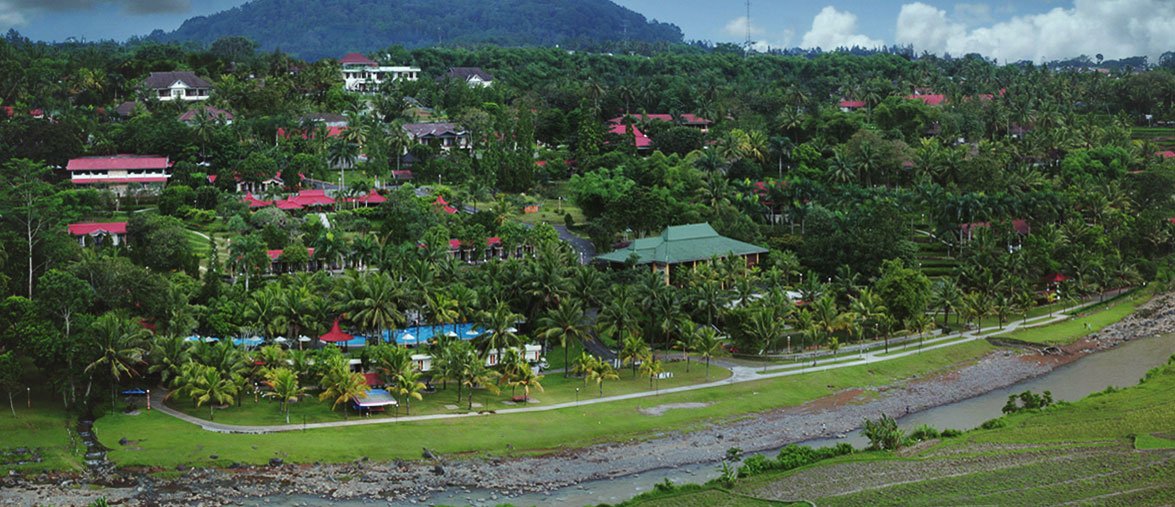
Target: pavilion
682 244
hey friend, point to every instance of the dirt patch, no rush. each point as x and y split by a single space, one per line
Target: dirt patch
660 410
846 397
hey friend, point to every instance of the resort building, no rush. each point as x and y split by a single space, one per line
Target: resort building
685 120
183 85
120 173
99 233
444 136
475 77
361 74
682 245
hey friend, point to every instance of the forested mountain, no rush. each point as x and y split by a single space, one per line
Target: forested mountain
326 28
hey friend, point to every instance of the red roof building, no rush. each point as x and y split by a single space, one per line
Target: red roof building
335 334
930 99
255 203
1165 154
95 233
311 134
118 171
641 141
308 198
851 105
371 197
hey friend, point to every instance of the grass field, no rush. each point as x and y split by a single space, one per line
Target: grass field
1080 452
45 429
164 441
699 496
1084 324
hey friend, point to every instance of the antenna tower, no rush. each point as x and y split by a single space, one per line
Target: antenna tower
748 42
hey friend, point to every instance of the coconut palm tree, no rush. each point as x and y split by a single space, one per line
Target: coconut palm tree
527 379
373 300
213 387
284 386
686 342
600 372
707 344
119 343
500 332
168 354
409 386
564 324
341 385
652 369
634 351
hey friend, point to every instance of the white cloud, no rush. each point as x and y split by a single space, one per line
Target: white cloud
1115 28
10 16
737 27
973 14
833 29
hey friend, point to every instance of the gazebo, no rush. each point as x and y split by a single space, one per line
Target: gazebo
336 335
682 245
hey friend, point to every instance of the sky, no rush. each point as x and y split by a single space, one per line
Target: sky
1008 30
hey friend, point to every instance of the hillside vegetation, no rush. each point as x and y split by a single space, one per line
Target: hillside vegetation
328 28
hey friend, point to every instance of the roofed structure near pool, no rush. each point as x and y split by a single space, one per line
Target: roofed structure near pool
682 244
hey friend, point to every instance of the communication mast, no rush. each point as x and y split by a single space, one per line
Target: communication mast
748 42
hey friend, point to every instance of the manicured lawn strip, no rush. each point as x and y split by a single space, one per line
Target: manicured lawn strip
166 441
556 389
1071 330
1147 442
47 428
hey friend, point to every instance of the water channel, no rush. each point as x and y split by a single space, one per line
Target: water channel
1122 366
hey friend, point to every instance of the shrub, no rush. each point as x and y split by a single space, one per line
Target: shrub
992 424
924 432
883 433
1028 400
950 433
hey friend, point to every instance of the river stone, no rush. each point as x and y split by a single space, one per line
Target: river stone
275 462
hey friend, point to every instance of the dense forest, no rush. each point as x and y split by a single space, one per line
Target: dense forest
1015 186
329 28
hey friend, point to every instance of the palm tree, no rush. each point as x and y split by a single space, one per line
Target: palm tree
500 332
707 343
340 384
871 312
475 373
600 372
565 324
409 386
634 351
168 354
527 378
120 344
652 369
373 301
211 386
284 386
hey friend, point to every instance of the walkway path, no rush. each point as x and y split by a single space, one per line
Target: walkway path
738 374
585 248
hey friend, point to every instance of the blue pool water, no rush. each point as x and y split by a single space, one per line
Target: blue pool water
414 335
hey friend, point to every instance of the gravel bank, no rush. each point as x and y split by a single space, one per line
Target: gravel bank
418 480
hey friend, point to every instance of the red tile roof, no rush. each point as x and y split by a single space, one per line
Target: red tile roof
313 198
275 254
88 228
357 59
330 132
119 162
95 181
287 204
852 104
642 141
335 334
371 197
933 99
1165 154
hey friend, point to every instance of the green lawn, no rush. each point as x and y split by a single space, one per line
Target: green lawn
1148 442
699 496
165 442
46 429
198 244
1084 324
556 389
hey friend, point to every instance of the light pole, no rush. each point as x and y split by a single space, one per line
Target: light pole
28 396
577 396
148 400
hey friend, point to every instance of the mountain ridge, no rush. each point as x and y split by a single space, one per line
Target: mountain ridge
316 29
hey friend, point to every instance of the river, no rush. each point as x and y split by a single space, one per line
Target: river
1122 366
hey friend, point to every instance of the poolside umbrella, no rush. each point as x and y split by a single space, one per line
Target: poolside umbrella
209 339
335 334
280 339
451 334
408 337
302 339
511 330
472 333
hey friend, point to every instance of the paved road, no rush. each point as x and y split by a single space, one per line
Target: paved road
587 251
738 374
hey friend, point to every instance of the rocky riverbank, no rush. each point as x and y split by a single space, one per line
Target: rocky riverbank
417 481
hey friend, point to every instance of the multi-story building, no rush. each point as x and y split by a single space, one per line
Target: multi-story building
361 74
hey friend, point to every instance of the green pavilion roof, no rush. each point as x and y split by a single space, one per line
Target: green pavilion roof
682 243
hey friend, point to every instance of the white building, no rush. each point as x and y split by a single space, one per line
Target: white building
360 74
170 86
120 172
